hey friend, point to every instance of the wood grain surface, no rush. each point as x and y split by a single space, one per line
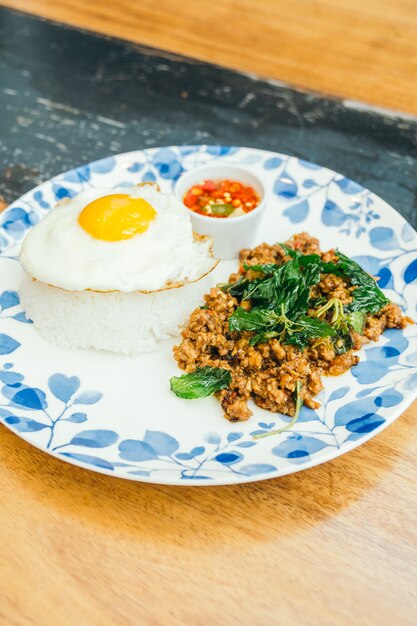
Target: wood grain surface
361 49
335 545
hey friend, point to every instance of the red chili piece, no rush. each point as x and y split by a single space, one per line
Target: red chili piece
221 198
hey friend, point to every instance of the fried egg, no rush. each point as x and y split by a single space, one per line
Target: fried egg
122 239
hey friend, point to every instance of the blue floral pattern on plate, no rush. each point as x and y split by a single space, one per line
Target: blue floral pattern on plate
150 435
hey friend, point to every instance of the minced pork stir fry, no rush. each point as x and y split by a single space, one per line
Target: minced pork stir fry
291 314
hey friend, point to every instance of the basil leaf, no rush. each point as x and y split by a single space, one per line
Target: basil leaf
289 251
222 210
262 291
301 295
356 321
304 259
257 319
342 342
202 383
263 337
267 268
367 297
236 289
306 328
287 283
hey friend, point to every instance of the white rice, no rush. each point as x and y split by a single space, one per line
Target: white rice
127 323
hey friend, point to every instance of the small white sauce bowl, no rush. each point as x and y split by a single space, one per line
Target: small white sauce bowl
230 234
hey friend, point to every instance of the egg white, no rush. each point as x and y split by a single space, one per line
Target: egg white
59 252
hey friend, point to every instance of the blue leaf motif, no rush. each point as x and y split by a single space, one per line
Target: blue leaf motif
71 176
88 397
95 438
272 163
212 438
365 424
63 387
383 238
306 415
411 382
298 446
385 278
135 167
370 264
388 398
185 456
221 150
90 460
410 358
184 150
257 468
136 450
7 344
309 165
161 443
365 392
369 372
251 159
246 444
26 397
38 197
17 220
148 177
21 317
332 214
6 413
228 458
62 192
354 410
140 473
407 233
382 353
198 450
348 186
167 163
338 393
10 378
103 166
410 273
396 339
308 183
234 437
24 424
8 299
297 212
285 186
76 418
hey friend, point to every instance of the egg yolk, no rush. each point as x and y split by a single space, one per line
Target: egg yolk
116 217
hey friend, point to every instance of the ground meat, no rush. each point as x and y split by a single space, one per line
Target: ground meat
303 242
389 317
264 253
268 372
342 363
335 287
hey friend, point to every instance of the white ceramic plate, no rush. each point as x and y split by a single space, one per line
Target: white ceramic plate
116 415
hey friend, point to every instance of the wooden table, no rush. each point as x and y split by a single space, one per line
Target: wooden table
336 545
361 49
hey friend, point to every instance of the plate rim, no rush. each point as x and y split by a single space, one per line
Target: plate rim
328 454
